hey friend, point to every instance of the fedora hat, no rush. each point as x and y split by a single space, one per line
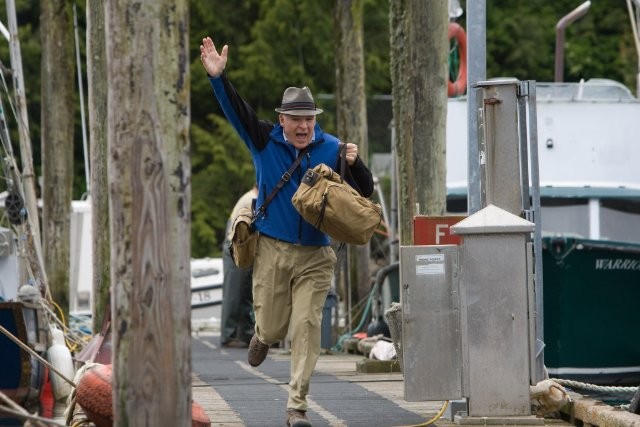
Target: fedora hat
298 102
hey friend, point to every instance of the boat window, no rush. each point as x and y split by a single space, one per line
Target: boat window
619 220
622 205
565 216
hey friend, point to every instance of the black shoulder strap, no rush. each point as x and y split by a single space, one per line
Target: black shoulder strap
283 180
344 169
342 158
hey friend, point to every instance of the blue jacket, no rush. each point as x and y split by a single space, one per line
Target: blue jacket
272 157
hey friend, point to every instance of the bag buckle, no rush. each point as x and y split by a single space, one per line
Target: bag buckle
310 177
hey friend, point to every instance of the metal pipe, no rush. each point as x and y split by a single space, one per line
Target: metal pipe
635 19
537 233
477 71
393 225
26 154
572 16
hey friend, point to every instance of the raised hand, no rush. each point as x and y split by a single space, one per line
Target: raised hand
213 61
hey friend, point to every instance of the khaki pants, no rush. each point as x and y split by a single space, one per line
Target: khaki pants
290 285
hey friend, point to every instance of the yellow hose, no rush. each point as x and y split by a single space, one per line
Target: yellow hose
434 419
59 311
73 347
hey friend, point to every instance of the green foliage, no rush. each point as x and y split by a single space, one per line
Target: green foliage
226 23
291 45
376 46
520 45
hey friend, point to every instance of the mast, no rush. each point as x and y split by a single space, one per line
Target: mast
26 155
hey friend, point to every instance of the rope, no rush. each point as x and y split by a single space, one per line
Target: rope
27 416
593 387
12 408
343 337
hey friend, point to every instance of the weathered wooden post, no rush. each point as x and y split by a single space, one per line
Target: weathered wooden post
149 198
351 112
57 109
419 52
97 95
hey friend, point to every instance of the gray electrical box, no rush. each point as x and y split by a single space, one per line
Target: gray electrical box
495 276
431 333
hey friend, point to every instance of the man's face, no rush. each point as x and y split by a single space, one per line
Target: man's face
298 129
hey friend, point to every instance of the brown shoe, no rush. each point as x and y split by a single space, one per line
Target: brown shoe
257 351
297 418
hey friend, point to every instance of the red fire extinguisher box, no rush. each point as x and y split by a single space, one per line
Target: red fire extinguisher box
435 230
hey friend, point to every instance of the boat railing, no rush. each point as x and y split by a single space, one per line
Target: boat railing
592 90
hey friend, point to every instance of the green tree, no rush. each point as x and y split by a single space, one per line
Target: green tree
376 47
291 46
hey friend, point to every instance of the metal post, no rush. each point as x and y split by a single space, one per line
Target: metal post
500 157
476 71
393 226
509 151
538 372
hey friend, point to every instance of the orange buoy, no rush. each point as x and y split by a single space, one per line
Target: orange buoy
459 86
94 394
198 416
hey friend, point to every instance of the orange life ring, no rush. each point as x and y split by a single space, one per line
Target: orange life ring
460 85
94 394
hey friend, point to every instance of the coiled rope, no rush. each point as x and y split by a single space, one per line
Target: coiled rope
592 387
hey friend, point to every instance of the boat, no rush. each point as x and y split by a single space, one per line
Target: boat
206 273
206 288
21 315
589 180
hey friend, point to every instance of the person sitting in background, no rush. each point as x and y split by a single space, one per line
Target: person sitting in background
236 320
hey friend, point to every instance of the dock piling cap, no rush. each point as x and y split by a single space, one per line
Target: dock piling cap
492 220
